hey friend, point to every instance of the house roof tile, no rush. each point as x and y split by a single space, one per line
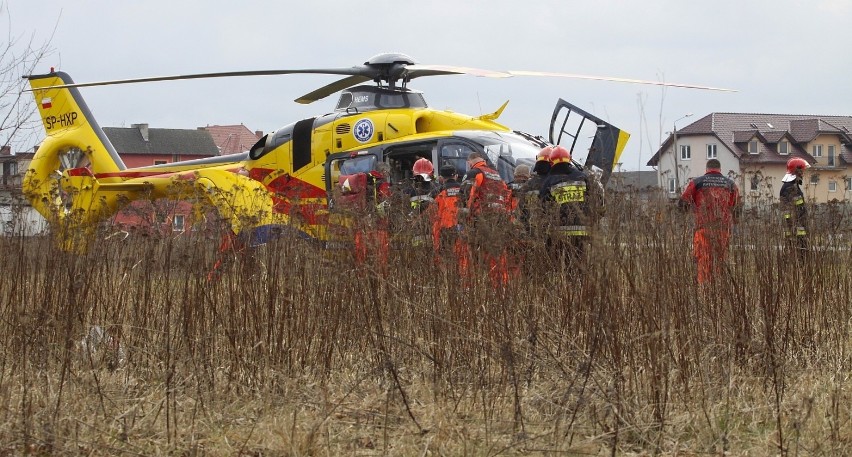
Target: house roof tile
162 141
735 129
232 139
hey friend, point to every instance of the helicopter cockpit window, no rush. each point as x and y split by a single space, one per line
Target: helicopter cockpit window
392 101
345 100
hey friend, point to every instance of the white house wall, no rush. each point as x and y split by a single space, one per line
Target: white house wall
21 220
697 164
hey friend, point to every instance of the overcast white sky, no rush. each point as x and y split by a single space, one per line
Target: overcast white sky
784 56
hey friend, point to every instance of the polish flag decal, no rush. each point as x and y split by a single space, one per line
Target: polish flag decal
46 103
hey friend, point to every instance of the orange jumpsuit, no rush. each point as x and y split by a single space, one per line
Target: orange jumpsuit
489 204
445 221
714 199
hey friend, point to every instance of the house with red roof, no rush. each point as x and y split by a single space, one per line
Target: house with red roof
233 139
754 149
142 146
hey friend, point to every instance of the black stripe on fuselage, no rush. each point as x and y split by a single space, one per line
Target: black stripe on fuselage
302 143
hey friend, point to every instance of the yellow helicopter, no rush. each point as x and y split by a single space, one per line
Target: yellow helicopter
77 179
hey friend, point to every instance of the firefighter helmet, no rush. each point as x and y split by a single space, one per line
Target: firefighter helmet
559 155
423 168
797 164
544 154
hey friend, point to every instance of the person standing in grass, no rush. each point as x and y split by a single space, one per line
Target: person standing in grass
487 204
566 194
715 202
444 215
793 206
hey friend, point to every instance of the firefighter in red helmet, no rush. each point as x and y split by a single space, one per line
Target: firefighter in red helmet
526 195
565 196
715 202
420 193
423 185
793 205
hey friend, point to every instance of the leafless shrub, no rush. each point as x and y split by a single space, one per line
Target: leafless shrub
295 348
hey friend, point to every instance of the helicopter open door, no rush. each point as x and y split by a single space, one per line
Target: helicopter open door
607 141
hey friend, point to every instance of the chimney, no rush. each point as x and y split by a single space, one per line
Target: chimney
143 130
258 133
6 150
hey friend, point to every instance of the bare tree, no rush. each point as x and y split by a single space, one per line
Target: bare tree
19 125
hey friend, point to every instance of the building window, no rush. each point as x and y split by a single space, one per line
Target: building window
672 186
831 155
832 186
685 152
711 151
178 222
817 150
752 147
814 179
160 162
784 147
848 184
10 169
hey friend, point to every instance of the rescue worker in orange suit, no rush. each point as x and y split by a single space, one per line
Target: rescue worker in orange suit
569 206
487 204
715 202
793 206
444 215
368 205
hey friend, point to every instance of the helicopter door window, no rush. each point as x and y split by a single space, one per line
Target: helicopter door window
360 164
348 166
401 159
455 154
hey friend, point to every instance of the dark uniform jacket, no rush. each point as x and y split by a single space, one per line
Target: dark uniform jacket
793 206
568 188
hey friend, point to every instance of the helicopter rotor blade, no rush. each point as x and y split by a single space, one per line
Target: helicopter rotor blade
329 89
621 80
227 74
416 71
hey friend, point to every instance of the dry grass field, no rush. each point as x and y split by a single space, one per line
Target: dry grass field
295 350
